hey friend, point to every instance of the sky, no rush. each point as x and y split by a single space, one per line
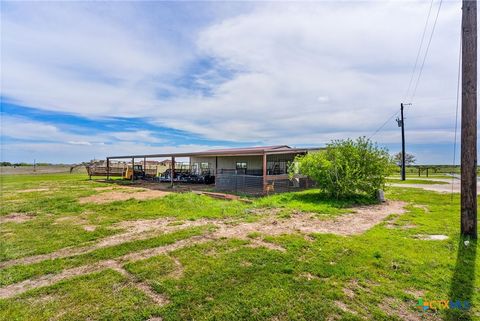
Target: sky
83 80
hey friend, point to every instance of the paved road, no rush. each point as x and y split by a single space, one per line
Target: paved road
441 188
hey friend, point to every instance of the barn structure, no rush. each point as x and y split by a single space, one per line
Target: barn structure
250 170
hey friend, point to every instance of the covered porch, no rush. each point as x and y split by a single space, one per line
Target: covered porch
254 170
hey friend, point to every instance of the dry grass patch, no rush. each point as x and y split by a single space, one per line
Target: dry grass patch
113 196
34 190
404 311
17 217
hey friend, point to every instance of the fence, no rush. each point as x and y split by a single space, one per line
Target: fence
240 184
287 185
253 185
426 170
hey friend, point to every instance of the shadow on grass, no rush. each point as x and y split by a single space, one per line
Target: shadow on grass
462 286
156 185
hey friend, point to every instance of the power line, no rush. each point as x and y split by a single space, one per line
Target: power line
419 50
426 51
416 61
456 109
383 125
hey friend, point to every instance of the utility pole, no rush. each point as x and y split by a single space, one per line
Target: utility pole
469 120
401 123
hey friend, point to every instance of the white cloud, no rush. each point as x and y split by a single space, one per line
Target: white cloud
67 153
74 58
24 129
360 59
302 73
79 143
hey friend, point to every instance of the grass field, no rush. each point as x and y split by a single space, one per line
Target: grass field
185 256
417 181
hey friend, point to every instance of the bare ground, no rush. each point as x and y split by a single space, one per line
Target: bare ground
112 196
17 217
358 222
452 186
136 230
34 190
140 285
403 310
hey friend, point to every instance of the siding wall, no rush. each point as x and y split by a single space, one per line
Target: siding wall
252 183
229 162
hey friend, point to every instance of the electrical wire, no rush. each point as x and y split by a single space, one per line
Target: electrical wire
383 125
416 61
426 51
419 50
456 111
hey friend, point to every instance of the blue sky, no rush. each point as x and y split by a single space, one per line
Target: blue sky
83 79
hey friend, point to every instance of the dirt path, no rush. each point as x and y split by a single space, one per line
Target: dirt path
107 197
144 287
440 188
306 223
17 217
136 230
117 265
355 223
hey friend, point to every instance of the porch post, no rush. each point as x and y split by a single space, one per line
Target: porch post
108 169
264 173
172 174
133 169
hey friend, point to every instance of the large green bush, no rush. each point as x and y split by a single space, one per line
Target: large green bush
347 168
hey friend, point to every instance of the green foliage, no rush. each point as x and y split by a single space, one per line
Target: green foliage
15 164
409 159
347 168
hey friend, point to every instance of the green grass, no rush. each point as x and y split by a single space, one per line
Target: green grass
416 181
59 217
373 274
228 281
310 201
431 175
184 206
98 296
19 273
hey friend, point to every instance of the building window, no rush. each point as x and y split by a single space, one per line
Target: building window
204 165
241 165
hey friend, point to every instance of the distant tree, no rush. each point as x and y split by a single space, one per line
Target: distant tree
409 159
5 164
21 164
347 168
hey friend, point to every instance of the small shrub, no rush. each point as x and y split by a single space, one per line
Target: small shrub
347 168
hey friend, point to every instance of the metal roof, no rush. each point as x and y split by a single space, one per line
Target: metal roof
249 149
243 151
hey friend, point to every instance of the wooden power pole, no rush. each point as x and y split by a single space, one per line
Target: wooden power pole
469 120
403 143
401 124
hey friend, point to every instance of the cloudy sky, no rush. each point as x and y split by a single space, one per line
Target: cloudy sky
89 79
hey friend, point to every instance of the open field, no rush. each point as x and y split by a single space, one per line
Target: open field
43 169
142 254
